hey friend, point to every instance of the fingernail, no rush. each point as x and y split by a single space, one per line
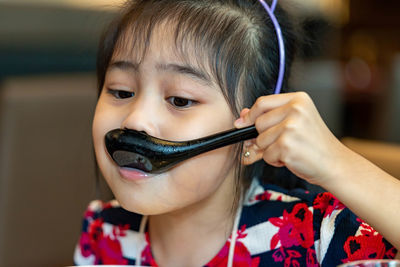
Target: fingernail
238 122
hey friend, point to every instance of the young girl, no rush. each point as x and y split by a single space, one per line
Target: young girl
185 69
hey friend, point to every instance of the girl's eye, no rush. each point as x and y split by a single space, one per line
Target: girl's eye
180 102
121 94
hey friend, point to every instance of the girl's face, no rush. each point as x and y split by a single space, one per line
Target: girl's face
169 99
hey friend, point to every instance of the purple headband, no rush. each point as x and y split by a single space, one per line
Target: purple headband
270 11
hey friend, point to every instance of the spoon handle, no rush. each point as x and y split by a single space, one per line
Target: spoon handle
223 139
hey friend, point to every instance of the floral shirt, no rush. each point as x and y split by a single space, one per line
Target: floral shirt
276 228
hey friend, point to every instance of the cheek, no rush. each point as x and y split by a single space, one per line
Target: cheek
99 127
202 125
104 120
201 176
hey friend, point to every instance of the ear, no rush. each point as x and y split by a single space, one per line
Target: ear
251 153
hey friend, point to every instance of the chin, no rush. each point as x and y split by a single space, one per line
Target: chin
144 209
143 205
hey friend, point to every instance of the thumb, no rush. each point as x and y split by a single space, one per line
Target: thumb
243 121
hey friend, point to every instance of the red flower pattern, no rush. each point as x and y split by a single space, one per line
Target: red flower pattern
267 195
147 256
311 258
105 248
242 255
368 245
84 244
327 203
288 257
295 228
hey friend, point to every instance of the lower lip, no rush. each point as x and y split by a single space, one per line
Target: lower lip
133 174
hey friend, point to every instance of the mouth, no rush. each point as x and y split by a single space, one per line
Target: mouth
133 174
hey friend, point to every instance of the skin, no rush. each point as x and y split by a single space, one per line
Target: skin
189 204
292 134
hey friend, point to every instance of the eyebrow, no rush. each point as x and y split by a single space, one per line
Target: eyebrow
186 70
124 65
182 69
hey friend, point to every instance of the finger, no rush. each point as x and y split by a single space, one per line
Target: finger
268 137
272 118
239 123
273 155
265 104
272 159
244 111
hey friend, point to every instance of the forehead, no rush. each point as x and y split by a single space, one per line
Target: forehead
159 42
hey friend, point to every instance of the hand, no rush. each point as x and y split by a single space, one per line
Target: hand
292 134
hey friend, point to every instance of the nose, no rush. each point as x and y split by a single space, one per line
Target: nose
140 116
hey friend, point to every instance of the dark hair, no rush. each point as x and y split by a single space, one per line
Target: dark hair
235 39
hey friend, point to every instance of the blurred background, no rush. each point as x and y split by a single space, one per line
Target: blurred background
349 63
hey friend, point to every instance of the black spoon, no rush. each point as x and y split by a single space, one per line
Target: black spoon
133 149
